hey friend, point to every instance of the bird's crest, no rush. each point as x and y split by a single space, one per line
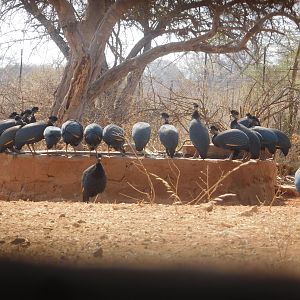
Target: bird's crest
53 119
234 112
165 115
34 109
214 128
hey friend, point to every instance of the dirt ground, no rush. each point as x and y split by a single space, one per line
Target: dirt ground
95 234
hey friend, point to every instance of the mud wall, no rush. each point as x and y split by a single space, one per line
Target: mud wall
57 178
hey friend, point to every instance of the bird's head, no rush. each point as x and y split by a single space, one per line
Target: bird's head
196 115
34 109
13 114
195 105
248 115
214 130
52 119
165 117
98 158
255 121
234 114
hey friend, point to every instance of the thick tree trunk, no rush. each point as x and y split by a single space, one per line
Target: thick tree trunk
293 103
73 104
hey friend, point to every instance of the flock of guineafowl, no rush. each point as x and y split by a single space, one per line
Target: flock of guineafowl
246 136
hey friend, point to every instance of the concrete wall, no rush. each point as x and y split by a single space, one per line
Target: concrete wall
56 178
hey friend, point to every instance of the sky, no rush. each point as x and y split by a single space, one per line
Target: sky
13 39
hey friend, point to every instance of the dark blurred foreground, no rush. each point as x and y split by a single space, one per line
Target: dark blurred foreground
41 281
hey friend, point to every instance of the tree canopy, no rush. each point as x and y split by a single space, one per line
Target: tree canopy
89 32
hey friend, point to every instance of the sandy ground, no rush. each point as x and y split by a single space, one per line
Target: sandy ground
134 234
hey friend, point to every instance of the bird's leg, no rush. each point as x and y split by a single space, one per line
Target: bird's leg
231 155
33 149
263 155
67 150
96 198
196 154
274 155
245 156
29 149
168 153
108 151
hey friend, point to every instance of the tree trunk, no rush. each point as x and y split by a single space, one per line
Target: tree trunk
74 101
293 104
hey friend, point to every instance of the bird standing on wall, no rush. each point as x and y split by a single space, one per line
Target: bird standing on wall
12 115
52 135
72 133
93 134
199 134
32 133
168 135
114 136
283 143
269 139
141 132
254 141
32 118
93 180
25 115
232 139
4 124
7 138
246 121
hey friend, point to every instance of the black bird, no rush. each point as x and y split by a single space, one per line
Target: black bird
269 138
25 115
199 134
283 143
32 118
4 124
72 133
141 132
246 121
52 136
32 133
93 180
231 139
12 115
7 138
255 121
114 136
93 134
254 140
168 135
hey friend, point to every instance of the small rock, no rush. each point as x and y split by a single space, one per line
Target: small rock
208 206
250 212
62 215
76 225
81 221
20 241
98 253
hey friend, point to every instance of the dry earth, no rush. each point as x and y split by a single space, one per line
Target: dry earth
95 234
